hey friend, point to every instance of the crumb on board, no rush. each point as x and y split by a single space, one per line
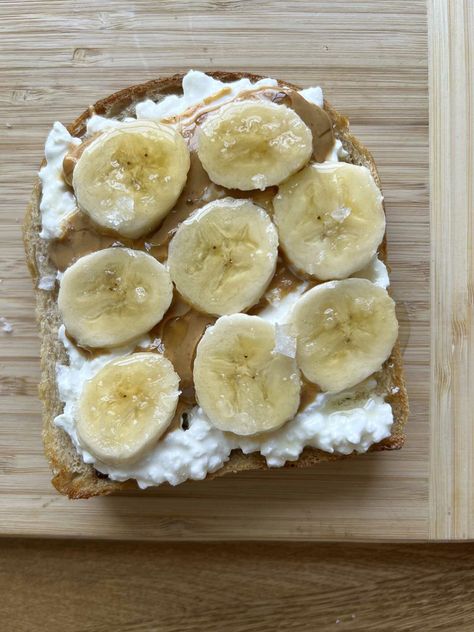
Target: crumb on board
5 326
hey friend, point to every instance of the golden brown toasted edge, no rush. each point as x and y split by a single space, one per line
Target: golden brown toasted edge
73 477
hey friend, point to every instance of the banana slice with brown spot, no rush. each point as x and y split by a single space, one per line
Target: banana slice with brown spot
222 257
113 296
242 383
345 331
330 219
129 177
125 408
253 144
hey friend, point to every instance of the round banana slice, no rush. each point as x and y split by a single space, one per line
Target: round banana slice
242 383
253 144
125 408
112 296
330 219
222 257
129 177
345 330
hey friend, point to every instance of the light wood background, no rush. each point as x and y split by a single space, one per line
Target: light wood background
452 278
372 60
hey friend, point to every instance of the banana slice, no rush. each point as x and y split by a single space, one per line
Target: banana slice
125 408
253 145
112 296
222 257
243 385
345 330
129 177
330 219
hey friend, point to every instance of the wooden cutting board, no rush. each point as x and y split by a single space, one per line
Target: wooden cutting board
371 58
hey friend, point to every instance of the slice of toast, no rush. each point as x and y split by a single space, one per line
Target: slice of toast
71 475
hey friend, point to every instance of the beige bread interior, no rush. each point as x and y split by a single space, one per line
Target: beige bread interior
71 476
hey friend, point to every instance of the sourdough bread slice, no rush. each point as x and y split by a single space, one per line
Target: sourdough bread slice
71 476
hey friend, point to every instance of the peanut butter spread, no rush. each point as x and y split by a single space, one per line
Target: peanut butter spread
180 330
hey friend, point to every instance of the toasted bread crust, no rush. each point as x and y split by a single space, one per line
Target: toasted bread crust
71 476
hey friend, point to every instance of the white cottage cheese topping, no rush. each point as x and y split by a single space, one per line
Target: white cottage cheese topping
58 202
344 422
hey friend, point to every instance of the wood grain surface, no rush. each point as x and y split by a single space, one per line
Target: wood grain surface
123 587
452 230
371 59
